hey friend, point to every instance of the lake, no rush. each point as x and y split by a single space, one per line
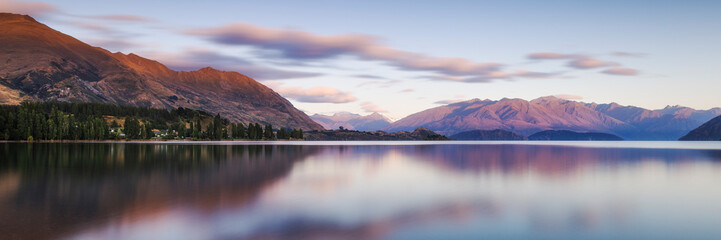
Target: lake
361 190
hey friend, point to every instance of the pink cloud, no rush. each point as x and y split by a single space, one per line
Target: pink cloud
586 63
628 54
531 74
370 107
34 9
317 95
580 61
621 71
448 101
407 90
303 45
117 44
122 17
196 58
568 97
550 55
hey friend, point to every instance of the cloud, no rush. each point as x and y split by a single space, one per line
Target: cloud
317 95
587 63
196 58
91 26
550 55
469 79
628 54
579 61
531 74
115 44
122 18
370 107
368 76
491 76
296 44
568 96
407 90
34 9
448 101
621 71
379 83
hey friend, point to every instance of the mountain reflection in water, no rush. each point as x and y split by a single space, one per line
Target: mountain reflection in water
208 191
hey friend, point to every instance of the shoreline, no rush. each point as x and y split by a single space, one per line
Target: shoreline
691 145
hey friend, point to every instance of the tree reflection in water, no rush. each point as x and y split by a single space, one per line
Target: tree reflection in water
62 186
113 190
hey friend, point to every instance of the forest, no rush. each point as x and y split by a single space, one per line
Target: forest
100 121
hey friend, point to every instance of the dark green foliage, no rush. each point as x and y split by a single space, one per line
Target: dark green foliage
283 134
296 134
268 133
47 121
148 132
81 121
258 131
197 128
132 128
237 131
255 131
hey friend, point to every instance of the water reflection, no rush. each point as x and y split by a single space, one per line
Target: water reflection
186 191
69 186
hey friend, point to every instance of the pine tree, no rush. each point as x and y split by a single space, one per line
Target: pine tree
217 127
143 133
241 131
149 131
197 128
132 128
268 133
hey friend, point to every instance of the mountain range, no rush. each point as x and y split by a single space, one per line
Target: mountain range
41 64
352 121
551 113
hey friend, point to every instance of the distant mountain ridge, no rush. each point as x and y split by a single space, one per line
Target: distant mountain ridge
487 135
354 135
352 121
709 131
551 113
41 64
565 135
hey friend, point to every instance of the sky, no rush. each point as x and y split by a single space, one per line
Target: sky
402 57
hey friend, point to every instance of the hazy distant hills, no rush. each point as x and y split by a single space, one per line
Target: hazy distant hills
709 131
666 124
565 135
354 135
351 121
41 64
551 113
487 135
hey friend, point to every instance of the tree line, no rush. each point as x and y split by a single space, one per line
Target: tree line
89 121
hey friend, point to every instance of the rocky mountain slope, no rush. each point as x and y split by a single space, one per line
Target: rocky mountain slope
551 113
41 64
351 121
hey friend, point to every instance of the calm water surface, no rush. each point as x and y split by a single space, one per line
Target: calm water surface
368 190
